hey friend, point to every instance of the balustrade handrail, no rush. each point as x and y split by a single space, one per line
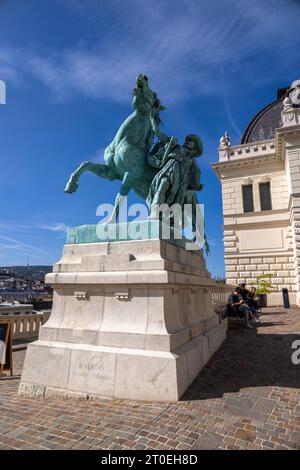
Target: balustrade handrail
26 325
220 294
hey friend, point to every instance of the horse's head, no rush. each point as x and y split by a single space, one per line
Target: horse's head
144 99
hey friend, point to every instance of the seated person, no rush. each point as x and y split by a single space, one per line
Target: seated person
236 301
244 291
248 299
252 299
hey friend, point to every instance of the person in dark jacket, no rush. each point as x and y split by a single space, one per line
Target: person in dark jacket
237 302
251 301
244 291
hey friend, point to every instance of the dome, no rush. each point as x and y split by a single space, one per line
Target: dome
263 125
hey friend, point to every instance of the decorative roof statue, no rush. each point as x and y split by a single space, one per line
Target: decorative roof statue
287 104
225 141
294 94
290 115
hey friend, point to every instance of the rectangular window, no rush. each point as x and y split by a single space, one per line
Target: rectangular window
265 196
248 198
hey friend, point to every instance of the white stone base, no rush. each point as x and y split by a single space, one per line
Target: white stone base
130 320
61 370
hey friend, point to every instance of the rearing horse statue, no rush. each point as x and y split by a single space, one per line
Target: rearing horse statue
126 157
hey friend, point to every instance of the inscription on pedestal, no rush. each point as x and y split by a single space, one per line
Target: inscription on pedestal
92 372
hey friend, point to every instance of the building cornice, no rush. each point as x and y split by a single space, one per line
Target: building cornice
258 254
284 134
257 225
280 217
247 155
244 162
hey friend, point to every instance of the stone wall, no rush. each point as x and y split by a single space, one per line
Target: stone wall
246 270
292 164
232 192
259 242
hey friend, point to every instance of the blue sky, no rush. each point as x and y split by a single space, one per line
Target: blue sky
69 67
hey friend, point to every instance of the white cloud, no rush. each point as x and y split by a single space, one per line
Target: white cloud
14 236
187 48
19 245
56 227
15 226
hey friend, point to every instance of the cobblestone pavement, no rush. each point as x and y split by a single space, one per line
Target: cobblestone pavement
248 397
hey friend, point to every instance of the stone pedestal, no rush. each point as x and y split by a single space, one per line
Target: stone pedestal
130 319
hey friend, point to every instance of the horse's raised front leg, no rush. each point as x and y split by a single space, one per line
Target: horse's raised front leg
99 169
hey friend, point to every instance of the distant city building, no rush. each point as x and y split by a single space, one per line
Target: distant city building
26 285
15 308
260 181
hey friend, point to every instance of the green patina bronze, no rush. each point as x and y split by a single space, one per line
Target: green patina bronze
177 170
163 173
126 157
135 230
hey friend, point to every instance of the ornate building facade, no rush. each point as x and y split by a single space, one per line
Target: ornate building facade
260 181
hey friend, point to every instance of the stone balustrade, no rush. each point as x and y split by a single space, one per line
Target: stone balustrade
236 152
27 326
220 292
219 297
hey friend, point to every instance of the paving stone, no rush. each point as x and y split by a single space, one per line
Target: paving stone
264 404
208 440
245 435
246 398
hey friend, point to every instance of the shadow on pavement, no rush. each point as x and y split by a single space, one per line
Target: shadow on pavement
248 359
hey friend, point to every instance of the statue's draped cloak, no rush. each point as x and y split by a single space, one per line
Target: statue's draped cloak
177 170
